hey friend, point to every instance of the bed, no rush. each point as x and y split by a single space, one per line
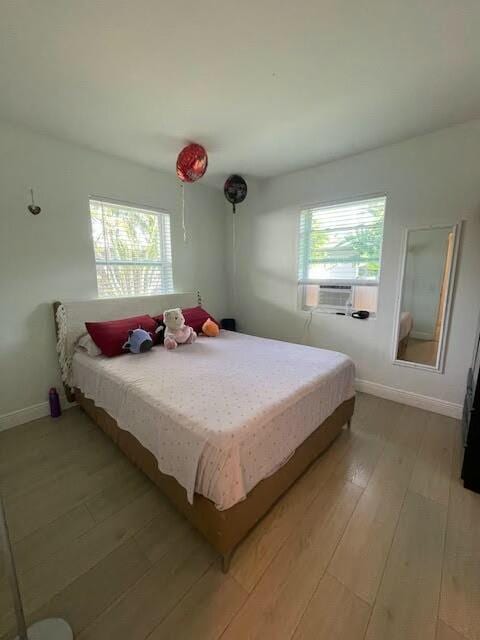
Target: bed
224 426
405 328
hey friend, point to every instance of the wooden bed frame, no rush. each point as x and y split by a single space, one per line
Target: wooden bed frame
224 530
402 347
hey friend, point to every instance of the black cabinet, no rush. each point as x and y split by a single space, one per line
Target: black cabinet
471 425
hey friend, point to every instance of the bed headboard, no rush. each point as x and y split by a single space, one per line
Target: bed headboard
70 318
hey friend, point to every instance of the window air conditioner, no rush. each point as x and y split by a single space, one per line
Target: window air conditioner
334 297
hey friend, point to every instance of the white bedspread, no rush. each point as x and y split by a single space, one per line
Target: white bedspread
224 413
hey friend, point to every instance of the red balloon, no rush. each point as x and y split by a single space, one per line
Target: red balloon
192 162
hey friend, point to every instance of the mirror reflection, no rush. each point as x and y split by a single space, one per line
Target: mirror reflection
426 281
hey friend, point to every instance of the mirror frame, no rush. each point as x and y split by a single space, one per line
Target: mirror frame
447 307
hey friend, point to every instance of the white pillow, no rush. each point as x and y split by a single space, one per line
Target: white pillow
88 346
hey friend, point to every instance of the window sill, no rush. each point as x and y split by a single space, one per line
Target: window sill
138 295
320 312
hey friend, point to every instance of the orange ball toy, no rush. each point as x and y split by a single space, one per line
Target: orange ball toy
210 328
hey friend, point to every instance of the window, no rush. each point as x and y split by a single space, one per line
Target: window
133 252
339 255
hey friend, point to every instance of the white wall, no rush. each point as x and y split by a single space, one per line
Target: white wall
50 257
433 179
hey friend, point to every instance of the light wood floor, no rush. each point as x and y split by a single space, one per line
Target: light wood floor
421 351
378 540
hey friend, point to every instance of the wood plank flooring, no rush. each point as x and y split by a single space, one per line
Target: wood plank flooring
378 540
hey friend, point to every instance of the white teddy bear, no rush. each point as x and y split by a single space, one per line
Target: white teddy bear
176 331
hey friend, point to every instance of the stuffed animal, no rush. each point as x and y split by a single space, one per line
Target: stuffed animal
159 331
210 328
138 341
176 331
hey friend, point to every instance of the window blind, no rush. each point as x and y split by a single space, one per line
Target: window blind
133 250
341 243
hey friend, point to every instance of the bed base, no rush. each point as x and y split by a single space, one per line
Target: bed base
402 347
224 530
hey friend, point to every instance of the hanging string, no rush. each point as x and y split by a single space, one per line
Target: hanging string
306 328
234 265
183 214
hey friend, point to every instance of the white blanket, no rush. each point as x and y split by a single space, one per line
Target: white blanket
224 413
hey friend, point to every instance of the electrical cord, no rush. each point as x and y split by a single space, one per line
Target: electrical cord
306 327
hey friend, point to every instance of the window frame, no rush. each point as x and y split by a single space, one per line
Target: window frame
302 283
162 264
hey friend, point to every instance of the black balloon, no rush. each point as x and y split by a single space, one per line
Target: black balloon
235 190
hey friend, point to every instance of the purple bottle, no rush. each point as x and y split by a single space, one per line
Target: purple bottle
54 400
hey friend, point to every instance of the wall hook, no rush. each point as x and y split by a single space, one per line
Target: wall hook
33 208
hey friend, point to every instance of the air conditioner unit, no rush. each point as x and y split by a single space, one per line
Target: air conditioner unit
333 298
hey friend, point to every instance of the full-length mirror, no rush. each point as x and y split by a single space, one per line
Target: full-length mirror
425 294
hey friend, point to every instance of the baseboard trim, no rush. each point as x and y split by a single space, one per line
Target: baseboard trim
409 397
40 410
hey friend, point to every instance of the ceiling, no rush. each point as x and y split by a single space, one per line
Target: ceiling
268 86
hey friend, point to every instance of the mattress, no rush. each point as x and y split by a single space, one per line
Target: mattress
406 324
224 413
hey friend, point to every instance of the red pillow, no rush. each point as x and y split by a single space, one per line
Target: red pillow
110 336
194 317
